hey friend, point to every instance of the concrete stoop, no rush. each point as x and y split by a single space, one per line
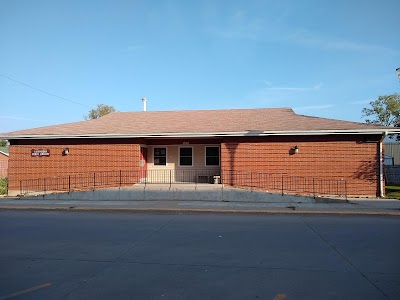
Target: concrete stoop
179 193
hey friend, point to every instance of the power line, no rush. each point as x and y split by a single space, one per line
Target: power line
29 86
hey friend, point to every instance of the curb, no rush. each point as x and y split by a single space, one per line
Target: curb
204 210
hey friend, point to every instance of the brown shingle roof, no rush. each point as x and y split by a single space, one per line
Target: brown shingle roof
196 122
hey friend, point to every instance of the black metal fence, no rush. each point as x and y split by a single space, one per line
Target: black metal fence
392 175
172 176
286 184
82 181
275 183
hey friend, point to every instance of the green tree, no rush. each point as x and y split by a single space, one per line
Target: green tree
384 111
99 111
3 143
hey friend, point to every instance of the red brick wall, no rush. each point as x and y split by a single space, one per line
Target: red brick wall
350 159
334 157
82 158
3 165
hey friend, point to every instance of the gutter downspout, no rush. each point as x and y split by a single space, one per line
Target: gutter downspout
381 179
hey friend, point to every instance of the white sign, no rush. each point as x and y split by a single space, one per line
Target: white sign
40 152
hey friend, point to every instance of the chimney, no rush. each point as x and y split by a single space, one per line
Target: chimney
144 100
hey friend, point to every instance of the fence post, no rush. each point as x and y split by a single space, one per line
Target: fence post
282 184
170 178
94 181
20 187
44 185
120 178
313 187
222 178
337 188
345 189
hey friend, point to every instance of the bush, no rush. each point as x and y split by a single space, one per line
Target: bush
3 186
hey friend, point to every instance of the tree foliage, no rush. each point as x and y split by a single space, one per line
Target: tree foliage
384 111
99 111
3 143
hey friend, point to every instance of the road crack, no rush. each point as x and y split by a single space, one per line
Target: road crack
344 257
111 262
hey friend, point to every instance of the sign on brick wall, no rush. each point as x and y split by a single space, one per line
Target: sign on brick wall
40 152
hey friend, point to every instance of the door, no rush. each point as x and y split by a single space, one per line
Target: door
143 163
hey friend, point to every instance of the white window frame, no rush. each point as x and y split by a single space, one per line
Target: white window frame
166 156
219 156
179 157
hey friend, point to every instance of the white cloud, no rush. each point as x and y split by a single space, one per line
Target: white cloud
22 119
314 107
292 88
238 26
360 102
132 48
310 39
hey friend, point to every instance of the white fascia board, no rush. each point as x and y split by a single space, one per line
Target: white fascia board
6 154
208 134
331 132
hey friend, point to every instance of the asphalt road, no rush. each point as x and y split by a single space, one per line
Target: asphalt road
76 255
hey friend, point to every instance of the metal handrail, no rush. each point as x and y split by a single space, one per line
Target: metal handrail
275 183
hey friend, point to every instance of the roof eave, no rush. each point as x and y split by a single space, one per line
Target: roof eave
4 153
206 134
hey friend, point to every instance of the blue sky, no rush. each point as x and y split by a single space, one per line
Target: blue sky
322 58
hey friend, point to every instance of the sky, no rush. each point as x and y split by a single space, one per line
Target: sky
60 58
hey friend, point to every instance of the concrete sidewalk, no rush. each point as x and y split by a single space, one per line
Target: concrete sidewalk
387 207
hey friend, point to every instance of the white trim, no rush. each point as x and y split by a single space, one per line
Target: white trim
219 156
205 134
140 155
381 158
6 154
166 156
179 156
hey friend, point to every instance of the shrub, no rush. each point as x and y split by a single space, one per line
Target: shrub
3 186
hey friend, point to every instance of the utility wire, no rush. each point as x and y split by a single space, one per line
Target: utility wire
29 86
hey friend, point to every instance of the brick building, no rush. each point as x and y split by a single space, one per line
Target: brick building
268 141
3 164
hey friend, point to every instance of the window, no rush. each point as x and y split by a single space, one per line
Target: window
160 156
186 156
212 156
